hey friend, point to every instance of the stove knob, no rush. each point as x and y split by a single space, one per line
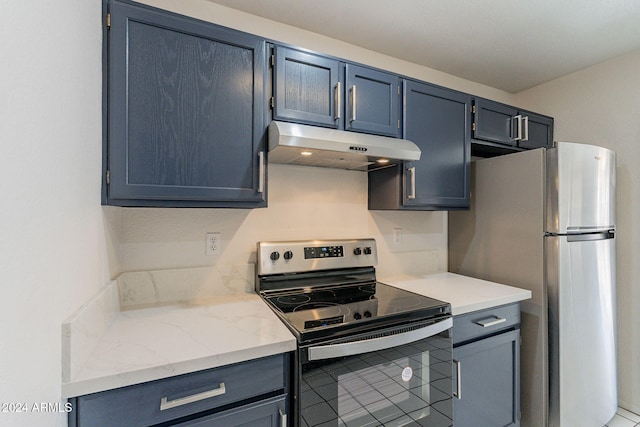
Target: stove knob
275 255
367 314
288 255
357 251
357 316
367 251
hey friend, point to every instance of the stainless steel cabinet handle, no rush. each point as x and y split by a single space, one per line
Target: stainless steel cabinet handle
526 128
261 172
337 101
412 183
353 103
458 392
491 321
283 418
518 119
168 404
330 351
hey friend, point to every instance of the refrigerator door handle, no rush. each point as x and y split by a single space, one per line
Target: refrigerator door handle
588 237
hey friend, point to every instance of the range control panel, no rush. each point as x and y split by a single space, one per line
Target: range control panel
323 252
310 255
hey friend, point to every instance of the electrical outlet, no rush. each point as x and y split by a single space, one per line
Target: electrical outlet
213 244
397 236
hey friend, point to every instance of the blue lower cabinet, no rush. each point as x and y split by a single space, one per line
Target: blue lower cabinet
249 393
267 413
486 359
186 111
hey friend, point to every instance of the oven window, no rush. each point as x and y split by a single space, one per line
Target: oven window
406 385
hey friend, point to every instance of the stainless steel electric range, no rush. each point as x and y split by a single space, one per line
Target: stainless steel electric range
369 354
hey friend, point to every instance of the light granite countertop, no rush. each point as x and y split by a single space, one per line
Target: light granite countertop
126 335
145 327
465 294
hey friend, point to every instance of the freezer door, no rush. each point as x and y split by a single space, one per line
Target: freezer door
581 288
580 188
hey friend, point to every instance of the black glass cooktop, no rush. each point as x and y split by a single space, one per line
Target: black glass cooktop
328 310
324 297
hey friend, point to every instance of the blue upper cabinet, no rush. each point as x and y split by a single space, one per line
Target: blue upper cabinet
307 88
498 126
319 90
373 101
186 112
538 131
494 122
438 121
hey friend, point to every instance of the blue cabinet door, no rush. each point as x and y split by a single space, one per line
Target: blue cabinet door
307 88
186 123
488 382
437 120
372 101
539 131
494 122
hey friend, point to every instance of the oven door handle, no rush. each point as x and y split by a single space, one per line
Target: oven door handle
330 351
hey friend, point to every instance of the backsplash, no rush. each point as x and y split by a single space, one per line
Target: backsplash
304 203
82 331
189 285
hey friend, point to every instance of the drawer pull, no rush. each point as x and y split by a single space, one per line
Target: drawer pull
492 321
164 404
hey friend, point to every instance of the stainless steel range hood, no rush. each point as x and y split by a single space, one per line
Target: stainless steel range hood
292 143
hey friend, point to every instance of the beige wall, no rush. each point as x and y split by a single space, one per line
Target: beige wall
599 105
53 249
304 203
221 15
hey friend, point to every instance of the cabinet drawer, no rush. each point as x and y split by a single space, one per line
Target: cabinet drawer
172 398
265 413
485 322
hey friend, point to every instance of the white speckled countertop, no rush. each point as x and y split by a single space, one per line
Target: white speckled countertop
465 294
146 326
146 331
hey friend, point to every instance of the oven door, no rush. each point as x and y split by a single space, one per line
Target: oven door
393 377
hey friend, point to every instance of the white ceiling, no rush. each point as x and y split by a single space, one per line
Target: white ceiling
507 44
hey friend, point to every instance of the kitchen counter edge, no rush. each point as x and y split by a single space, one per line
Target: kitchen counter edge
465 294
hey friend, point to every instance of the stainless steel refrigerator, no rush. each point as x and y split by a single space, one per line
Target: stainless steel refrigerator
544 220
